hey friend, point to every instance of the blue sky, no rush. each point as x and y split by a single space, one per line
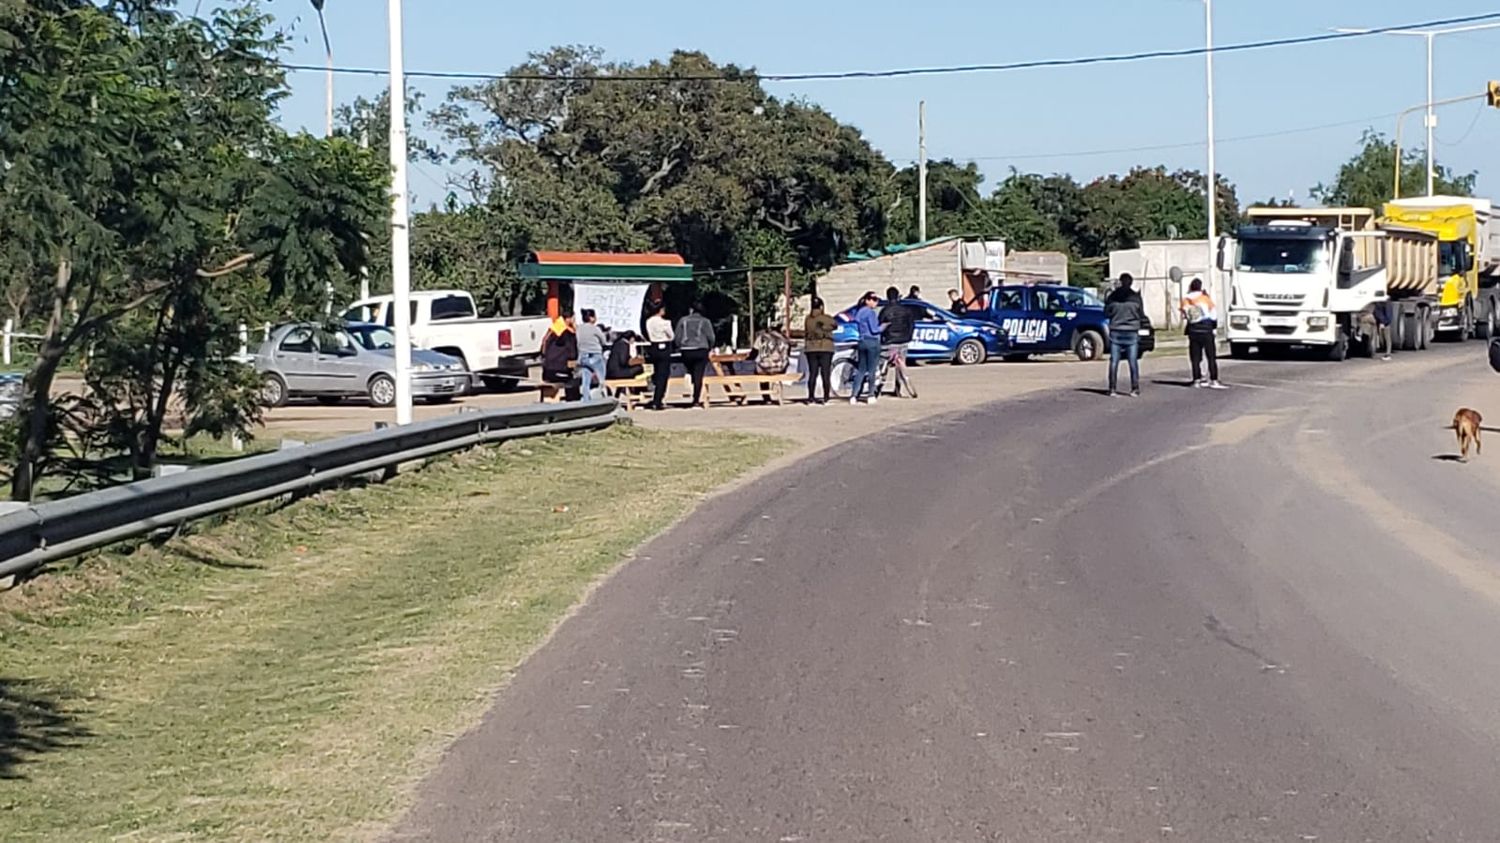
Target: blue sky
1034 120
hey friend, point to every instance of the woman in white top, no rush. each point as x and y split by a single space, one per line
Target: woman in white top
659 352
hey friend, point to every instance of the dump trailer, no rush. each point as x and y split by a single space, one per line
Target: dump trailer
1313 278
1468 259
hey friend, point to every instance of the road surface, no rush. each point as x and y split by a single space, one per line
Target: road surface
1265 614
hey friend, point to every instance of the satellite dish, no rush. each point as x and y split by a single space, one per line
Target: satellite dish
1171 231
1175 273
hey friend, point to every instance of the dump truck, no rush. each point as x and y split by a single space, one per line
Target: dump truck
1468 259
1314 277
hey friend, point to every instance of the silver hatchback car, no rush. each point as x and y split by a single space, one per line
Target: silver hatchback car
359 360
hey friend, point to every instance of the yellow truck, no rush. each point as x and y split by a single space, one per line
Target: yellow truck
1468 298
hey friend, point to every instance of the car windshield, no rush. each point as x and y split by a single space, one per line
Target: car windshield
1290 256
374 337
1450 255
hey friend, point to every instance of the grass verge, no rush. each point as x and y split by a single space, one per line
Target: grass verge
291 673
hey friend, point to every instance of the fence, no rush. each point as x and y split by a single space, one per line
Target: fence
46 532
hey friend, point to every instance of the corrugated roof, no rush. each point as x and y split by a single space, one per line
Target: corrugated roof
606 258
897 248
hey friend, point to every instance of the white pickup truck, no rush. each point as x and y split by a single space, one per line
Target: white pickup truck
500 350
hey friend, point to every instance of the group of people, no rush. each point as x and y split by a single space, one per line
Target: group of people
883 329
582 356
1127 317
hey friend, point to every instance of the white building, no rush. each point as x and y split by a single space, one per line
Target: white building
969 265
1150 264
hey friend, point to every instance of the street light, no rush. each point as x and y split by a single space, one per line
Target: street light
328 57
1213 176
1429 35
400 229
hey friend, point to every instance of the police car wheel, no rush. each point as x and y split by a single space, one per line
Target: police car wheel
970 352
1087 345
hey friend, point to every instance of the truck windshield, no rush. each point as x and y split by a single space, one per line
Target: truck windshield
1281 256
1450 257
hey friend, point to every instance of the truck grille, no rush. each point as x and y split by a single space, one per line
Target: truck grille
1280 299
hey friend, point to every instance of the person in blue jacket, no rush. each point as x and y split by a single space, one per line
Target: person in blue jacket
867 352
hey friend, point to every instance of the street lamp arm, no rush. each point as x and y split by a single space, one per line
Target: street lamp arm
1401 117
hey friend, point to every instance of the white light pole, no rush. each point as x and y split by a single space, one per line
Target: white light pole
922 171
1429 35
1213 174
400 231
328 58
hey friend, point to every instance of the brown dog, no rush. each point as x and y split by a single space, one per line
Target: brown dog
1466 422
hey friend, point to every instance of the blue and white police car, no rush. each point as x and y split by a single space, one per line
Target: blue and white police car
938 336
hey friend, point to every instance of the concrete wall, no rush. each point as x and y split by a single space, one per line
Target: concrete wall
1149 264
934 268
1037 266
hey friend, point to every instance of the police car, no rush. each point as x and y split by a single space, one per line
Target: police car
938 336
1051 318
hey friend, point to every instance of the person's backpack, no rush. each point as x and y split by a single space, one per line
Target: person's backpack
1495 353
773 353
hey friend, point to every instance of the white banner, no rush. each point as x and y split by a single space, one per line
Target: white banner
618 305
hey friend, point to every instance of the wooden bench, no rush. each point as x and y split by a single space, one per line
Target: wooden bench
738 388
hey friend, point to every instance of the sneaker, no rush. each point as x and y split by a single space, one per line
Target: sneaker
853 400
1199 384
1113 394
874 399
1385 357
1216 385
1135 393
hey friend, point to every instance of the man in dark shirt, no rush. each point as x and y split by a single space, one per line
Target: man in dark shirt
898 324
1127 315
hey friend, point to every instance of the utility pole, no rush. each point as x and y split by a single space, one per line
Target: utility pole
328 58
922 171
400 223
1213 175
1428 35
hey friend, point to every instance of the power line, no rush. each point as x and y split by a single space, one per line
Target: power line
750 76
1170 146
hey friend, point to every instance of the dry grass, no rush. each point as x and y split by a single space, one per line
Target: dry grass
290 674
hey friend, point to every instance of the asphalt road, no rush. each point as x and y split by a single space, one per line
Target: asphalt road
1271 613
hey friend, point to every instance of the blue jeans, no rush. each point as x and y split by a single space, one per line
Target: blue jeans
590 369
1129 347
867 363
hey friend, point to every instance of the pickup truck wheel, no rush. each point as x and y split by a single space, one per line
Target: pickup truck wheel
382 391
970 353
1088 345
273 391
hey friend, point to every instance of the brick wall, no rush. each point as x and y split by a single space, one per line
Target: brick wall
934 268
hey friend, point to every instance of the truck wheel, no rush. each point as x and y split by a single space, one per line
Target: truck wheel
273 391
1339 351
1088 345
1428 326
970 353
1409 332
1239 350
1485 328
382 391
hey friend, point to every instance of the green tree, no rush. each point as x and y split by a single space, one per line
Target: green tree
146 190
955 205
1368 179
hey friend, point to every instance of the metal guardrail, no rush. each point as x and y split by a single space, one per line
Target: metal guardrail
55 530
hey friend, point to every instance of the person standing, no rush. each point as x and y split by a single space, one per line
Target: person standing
914 293
1127 315
817 334
956 304
868 350
559 349
659 351
1202 318
898 325
695 338
592 343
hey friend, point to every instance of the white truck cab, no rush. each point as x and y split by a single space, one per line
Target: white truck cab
500 350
